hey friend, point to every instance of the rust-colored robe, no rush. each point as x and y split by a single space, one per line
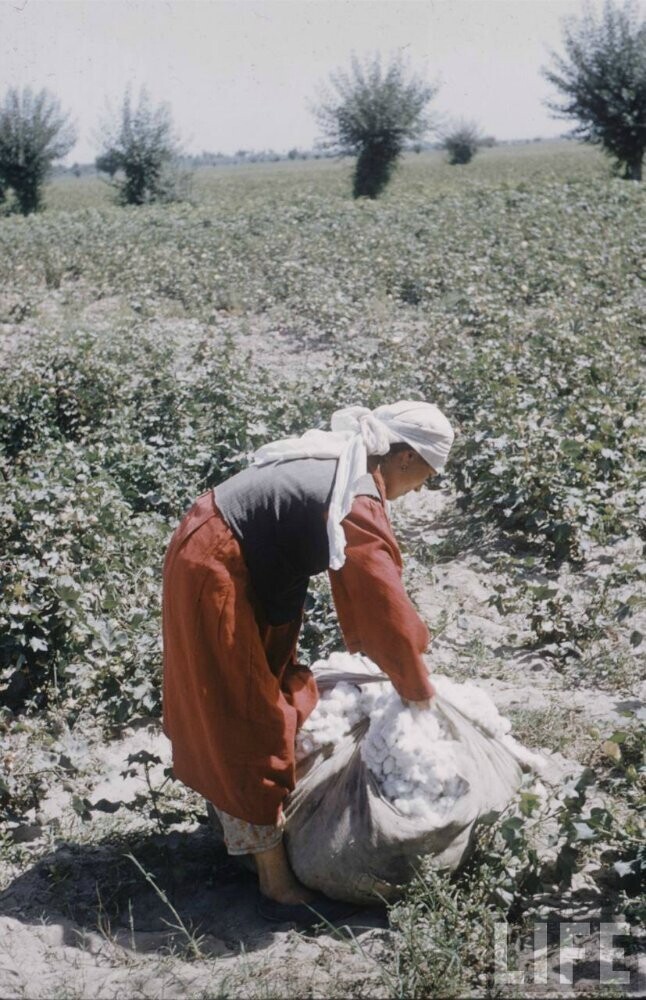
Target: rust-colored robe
234 695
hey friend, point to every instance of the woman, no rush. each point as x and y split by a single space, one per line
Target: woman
235 581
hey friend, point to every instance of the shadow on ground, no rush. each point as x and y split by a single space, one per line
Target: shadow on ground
98 887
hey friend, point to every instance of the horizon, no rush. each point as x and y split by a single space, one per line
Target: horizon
240 157
244 74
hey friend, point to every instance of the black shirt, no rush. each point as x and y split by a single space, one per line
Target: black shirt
278 514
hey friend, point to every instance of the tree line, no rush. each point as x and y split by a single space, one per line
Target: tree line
371 112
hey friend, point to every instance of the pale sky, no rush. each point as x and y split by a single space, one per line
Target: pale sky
242 73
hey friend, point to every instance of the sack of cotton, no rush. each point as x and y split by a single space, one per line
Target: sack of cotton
381 785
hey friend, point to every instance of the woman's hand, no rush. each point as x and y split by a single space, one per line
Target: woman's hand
426 704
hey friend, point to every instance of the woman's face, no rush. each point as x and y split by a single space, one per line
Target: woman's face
404 471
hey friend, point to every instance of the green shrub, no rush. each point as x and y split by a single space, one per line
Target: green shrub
103 448
462 141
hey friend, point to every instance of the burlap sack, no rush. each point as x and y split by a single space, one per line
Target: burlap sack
344 839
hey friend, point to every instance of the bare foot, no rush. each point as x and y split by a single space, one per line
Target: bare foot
299 894
276 879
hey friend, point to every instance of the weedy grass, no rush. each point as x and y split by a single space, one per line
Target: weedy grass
442 940
559 729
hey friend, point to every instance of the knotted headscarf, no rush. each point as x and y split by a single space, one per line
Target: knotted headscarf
356 433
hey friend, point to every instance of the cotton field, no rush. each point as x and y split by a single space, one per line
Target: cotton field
146 354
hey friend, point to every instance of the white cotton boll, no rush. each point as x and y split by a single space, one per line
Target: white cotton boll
405 746
304 747
411 753
372 697
458 786
336 661
473 703
419 762
331 719
388 766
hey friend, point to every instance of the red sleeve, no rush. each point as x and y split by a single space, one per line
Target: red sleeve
376 615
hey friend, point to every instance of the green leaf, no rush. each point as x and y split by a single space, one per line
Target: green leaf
82 808
143 757
528 803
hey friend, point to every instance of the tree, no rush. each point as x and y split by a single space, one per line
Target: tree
33 133
141 142
462 141
108 162
602 78
371 114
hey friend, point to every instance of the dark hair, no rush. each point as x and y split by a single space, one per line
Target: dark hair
394 449
398 446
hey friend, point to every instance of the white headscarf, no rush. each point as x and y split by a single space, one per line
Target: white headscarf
356 433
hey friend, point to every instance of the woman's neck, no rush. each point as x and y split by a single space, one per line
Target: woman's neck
375 471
